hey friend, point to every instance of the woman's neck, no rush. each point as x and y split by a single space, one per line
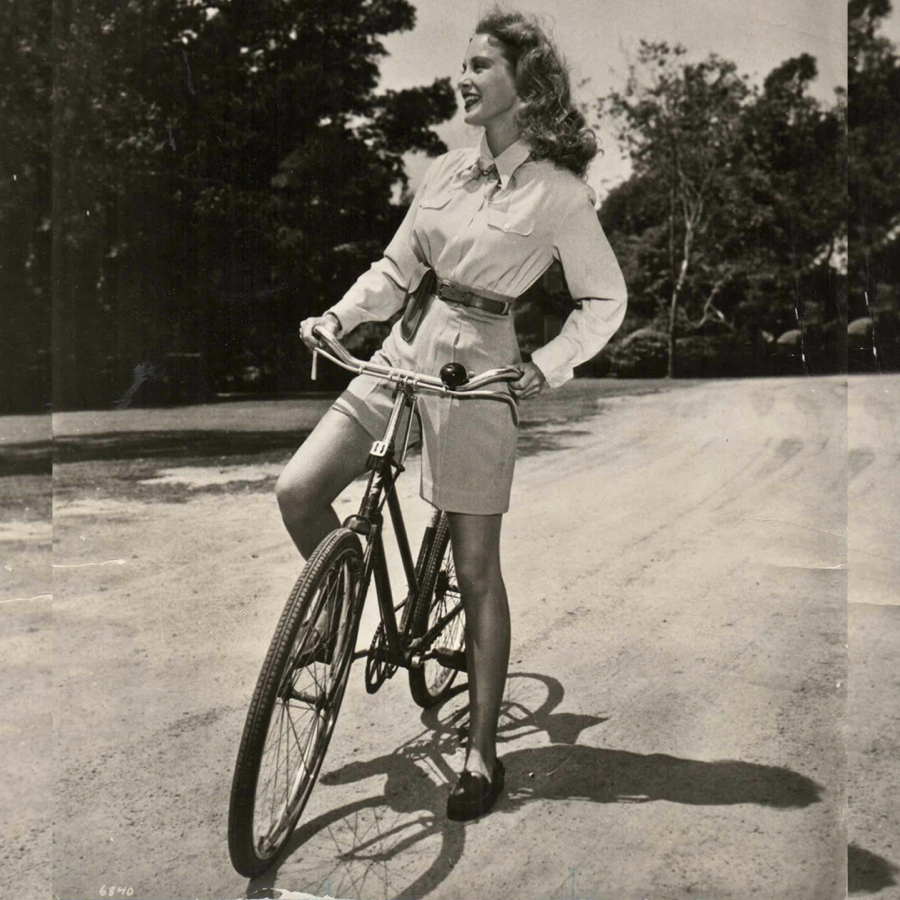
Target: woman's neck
500 136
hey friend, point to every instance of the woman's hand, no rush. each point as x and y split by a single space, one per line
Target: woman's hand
329 322
530 384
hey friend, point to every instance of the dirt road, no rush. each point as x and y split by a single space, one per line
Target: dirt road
873 721
677 568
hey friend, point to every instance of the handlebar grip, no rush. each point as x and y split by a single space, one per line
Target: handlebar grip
325 338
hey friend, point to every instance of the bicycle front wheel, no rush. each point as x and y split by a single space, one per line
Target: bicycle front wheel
295 704
438 613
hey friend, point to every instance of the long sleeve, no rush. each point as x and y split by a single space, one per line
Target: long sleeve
584 334
593 276
380 292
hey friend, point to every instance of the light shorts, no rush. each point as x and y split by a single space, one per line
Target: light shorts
468 446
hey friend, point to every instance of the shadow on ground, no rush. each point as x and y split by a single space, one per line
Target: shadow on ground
173 444
181 444
345 846
868 873
534 439
548 422
26 459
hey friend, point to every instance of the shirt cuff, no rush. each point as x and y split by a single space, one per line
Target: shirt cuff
584 334
349 314
553 364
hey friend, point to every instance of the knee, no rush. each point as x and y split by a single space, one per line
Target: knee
479 578
295 498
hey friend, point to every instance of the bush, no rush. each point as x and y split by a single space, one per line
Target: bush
598 367
364 340
887 330
716 356
643 354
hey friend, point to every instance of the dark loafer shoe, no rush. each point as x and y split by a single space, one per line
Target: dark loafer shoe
473 795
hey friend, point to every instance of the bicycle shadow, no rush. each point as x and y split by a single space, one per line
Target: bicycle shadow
368 839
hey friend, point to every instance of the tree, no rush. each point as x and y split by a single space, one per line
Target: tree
874 177
679 121
25 201
736 205
795 190
222 169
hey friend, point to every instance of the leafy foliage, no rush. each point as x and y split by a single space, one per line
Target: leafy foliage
25 204
736 198
874 182
222 170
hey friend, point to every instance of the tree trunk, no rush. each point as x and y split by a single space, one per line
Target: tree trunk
673 308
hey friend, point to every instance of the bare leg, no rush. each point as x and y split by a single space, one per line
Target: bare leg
327 461
476 553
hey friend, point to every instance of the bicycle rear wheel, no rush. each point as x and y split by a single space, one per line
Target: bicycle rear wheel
439 600
295 705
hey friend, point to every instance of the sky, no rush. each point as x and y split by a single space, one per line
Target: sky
598 37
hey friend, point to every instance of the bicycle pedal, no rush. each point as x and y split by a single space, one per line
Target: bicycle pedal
452 659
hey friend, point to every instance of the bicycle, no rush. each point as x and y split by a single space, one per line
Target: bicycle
300 688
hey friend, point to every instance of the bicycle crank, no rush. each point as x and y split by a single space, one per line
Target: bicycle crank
378 669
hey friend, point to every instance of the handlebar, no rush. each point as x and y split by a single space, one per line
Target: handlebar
340 356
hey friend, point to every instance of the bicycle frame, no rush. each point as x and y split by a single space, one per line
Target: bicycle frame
385 469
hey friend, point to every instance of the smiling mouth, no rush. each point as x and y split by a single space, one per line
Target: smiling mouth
470 100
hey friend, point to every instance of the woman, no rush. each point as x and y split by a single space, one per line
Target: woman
489 223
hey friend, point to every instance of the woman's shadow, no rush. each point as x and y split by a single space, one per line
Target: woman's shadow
379 830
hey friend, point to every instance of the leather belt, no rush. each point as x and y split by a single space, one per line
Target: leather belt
453 294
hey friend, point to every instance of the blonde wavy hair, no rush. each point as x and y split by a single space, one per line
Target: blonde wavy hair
548 119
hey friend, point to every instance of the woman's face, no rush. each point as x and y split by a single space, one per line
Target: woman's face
487 85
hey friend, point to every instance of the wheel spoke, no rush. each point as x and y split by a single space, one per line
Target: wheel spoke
268 790
451 638
287 767
282 753
439 624
283 816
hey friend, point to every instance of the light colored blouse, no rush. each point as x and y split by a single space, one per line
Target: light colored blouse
498 240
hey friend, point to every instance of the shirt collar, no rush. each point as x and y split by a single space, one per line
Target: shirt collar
509 160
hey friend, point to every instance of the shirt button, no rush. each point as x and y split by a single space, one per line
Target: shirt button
506 226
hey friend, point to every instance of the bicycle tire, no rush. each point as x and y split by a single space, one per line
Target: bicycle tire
439 596
284 730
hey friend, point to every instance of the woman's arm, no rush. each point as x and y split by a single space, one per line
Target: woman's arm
594 278
380 292
585 333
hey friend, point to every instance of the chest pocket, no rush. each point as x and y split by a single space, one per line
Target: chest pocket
511 222
435 201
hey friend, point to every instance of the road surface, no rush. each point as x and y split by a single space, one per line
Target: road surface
674 721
